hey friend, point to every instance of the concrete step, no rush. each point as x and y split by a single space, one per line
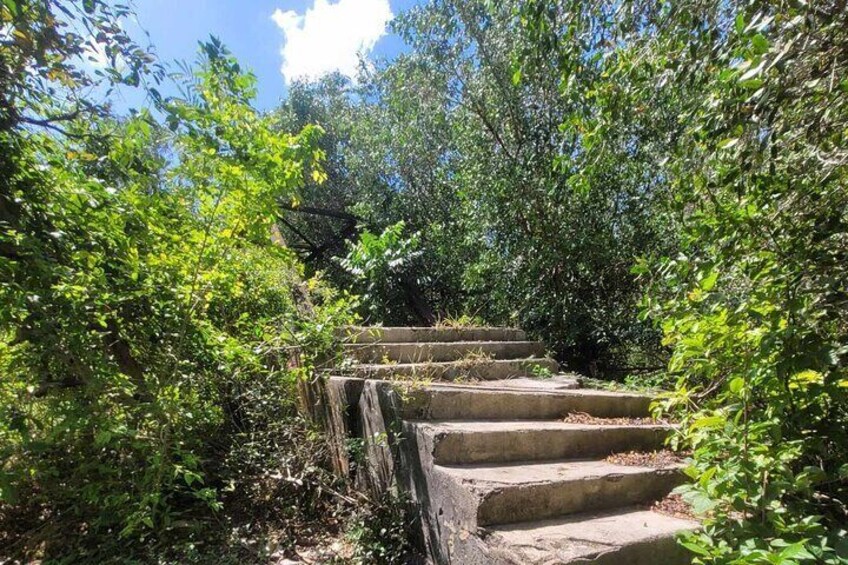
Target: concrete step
530 401
466 442
376 334
452 370
629 536
443 351
522 492
496 476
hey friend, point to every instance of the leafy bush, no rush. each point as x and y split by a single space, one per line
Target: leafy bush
381 533
152 333
754 304
383 267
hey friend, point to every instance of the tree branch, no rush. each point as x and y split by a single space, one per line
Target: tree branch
320 212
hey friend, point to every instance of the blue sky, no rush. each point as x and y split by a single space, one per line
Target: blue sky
307 36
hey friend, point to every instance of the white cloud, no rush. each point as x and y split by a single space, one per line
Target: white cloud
328 37
95 56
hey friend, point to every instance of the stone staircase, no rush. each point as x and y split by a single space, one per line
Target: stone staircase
460 421
445 354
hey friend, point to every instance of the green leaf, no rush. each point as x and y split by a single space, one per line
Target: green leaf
797 551
12 5
708 282
760 43
739 23
751 84
708 422
695 548
102 438
516 77
707 476
736 385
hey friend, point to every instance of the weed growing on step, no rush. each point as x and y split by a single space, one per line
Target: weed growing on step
655 382
465 379
461 322
476 356
541 372
469 366
384 360
404 387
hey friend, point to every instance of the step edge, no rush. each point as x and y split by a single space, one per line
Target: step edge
561 426
581 517
446 363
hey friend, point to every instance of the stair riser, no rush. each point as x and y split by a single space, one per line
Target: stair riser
476 370
411 335
662 549
502 405
456 448
524 503
422 352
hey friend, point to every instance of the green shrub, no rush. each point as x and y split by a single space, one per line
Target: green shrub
380 531
752 100
152 333
382 269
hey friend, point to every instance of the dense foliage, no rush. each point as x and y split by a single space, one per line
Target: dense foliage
633 182
447 139
152 330
754 305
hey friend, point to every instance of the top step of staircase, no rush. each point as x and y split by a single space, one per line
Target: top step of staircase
377 334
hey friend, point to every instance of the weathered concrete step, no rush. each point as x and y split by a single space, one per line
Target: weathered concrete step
523 492
417 334
456 443
443 351
450 402
629 536
451 370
